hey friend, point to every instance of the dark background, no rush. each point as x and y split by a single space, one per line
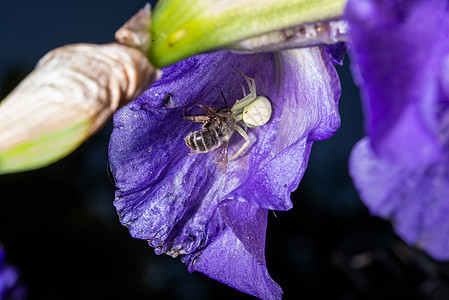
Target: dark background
61 231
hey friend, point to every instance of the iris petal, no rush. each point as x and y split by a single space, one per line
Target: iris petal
184 204
236 257
401 59
398 51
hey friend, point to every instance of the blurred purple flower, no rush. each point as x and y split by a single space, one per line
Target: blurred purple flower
184 204
10 287
400 55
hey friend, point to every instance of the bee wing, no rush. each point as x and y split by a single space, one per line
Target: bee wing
222 157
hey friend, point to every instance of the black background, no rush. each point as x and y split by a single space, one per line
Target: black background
61 231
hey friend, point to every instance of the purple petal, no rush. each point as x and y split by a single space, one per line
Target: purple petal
10 285
174 200
401 60
415 199
236 257
336 52
149 158
398 48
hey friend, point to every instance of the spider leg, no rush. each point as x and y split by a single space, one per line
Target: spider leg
252 85
247 99
250 81
240 104
243 89
245 136
244 126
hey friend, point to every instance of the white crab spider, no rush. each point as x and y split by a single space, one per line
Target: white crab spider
219 123
251 111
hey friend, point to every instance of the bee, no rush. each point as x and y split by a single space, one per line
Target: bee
219 124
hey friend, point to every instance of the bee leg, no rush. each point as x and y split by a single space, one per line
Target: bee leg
208 110
197 118
185 109
245 136
191 153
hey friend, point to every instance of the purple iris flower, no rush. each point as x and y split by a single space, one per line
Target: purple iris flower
185 204
400 51
10 287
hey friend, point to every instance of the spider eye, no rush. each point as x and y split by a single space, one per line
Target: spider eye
257 113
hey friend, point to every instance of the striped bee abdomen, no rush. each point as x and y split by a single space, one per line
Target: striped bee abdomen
203 140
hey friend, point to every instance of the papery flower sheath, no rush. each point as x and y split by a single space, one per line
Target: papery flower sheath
184 204
71 94
400 51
